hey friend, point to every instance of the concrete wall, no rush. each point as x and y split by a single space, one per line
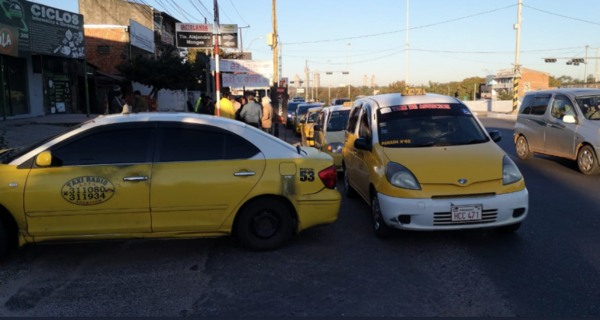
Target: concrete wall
490 106
167 100
115 12
116 38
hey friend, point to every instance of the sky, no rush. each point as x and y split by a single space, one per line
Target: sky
449 40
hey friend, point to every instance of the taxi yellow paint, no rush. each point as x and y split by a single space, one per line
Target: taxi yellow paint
306 128
329 141
40 202
446 176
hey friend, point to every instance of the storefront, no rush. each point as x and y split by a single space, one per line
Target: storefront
41 57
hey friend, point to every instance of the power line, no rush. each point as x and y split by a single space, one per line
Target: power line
238 13
221 11
205 8
193 4
164 7
560 15
413 28
494 52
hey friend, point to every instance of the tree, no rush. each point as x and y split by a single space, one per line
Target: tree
554 82
396 87
168 71
505 95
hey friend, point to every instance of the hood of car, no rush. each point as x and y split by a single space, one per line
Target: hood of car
460 165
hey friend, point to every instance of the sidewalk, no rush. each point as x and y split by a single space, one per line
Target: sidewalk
53 119
496 115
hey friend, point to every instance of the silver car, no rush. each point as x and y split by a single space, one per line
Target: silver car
563 123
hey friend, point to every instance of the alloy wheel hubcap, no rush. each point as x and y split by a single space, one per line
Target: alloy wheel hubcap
586 161
521 147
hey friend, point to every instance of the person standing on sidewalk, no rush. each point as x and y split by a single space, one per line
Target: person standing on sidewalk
251 112
266 120
117 103
226 107
140 104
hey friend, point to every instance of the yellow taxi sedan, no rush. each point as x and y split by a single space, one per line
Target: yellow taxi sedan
329 131
307 125
424 162
164 175
300 115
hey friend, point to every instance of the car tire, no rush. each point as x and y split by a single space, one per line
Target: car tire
264 224
522 148
511 228
348 190
587 161
3 239
382 230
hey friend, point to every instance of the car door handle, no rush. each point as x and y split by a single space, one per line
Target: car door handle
135 178
244 174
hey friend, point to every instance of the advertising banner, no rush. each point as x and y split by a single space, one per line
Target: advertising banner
245 80
262 67
42 29
9 41
141 36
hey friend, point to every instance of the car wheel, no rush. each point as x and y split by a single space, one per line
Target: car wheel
264 225
348 190
522 147
382 230
3 239
511 228
587 161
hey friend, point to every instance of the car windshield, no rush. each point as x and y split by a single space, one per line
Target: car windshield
303 110
340 102
428 125
590 107
292 106
312 117
338 120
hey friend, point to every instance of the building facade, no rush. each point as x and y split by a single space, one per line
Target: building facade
42 52
531 80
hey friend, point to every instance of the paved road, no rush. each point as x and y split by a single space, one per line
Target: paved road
549 269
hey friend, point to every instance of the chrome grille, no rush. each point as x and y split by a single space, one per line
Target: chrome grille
462 196
445 218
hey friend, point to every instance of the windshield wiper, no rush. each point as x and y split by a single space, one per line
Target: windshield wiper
474 141
424 144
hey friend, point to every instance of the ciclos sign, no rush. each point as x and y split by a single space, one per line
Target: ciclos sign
9 41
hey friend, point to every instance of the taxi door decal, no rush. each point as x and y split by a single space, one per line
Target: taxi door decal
88 190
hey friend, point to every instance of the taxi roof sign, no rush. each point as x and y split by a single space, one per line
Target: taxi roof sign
413 92
348 104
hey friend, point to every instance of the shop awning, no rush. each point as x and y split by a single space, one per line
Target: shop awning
112 76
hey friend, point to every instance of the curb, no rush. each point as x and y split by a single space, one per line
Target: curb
502 116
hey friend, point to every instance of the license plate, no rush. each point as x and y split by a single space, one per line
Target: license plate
466 213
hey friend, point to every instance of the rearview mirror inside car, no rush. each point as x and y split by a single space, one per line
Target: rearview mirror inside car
495 135
569 119
44 159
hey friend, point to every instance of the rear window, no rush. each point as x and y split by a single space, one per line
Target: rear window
428 125
312 118
338 120
526 104
540 104
292 106
302 110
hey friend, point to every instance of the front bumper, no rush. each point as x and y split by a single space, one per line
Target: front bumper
497 211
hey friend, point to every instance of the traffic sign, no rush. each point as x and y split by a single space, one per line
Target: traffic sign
229 36
194 35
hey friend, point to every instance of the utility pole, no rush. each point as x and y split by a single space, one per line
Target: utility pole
241 40
596 64
307 76
280 60
517 71
406 66
586 64
474 90
275 51
348 68
218 82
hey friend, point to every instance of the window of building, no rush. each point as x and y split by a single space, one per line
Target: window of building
15 77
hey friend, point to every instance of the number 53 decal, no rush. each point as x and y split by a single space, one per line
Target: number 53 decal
307 175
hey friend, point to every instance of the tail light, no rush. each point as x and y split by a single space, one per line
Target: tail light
329 177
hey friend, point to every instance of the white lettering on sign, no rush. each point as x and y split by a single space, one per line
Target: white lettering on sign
263 67
245 80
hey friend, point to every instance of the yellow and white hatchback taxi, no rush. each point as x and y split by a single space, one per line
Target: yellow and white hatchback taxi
424 162
306 127
164 175
329 131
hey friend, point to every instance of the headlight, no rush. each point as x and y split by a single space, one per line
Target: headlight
335 147
510 172
289 115
401 177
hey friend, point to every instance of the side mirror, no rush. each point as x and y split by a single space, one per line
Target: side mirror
495 135
361 144
569 119
317 127
44 159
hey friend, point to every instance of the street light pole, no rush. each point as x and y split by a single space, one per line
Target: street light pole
517 73
348 68
406 66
